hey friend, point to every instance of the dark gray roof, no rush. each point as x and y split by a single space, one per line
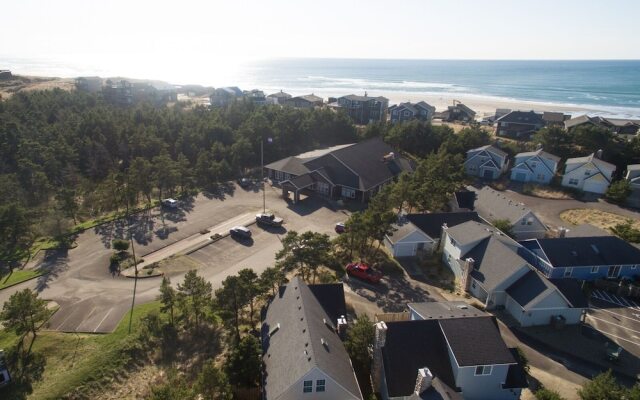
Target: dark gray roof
494 261
589 251
295 348
354 97
409 346
280 94
586 230
548 116
365 159
290 165
431 224
402 229
572 291
476 341
445 309
469 232
312 98
491 149
530 288
466 199
301 181
539 153
522 117
331 298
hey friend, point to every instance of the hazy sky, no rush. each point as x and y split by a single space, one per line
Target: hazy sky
491 29
218 34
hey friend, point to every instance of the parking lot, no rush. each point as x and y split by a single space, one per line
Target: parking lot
616 317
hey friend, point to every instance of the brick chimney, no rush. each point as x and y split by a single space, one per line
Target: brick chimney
465 278
423 380
378 344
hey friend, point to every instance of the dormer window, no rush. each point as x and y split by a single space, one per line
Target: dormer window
483 370
308 387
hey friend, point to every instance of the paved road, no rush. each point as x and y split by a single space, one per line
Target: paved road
618 318
549 210
92 300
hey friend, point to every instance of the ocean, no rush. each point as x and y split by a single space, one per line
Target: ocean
610 87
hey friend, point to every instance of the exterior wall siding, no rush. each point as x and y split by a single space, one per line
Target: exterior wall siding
585 273
332 389
483 387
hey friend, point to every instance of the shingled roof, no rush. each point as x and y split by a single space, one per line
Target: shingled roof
431 223
298 336
589 251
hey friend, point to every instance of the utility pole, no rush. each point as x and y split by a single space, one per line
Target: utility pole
264 195
133 252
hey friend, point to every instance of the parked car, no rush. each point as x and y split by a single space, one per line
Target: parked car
340 228
245 183
268 219
364 272
240 232
170 203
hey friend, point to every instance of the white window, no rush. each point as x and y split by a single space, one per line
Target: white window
573 181
347 192
308 387
594 270
567 272
320 383
483 370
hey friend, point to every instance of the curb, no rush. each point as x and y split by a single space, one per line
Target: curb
26 280
145 276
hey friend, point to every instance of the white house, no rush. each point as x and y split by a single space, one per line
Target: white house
589 174
493 205
534 166
487 162
419 234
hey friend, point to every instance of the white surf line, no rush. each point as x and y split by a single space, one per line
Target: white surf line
612 323
616 314
105 317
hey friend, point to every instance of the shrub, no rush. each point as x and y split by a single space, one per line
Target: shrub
120 245
618 191
546 394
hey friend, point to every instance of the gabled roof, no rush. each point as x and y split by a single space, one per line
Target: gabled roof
574 163
489 148
583 119
431 223
586 230
539 153
331 298
548 116
403 228
469 232
293 334
572 291
312 98
409 346
589 251
476 341
493 205
280 94
301 181
522 117
494 261
530 289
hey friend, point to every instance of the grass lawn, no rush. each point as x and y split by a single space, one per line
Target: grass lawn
18 276
82 361
600 219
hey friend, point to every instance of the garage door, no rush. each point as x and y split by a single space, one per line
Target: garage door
405 250
595 187
521 177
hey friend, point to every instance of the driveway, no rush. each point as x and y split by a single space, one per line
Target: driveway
92 300
549 210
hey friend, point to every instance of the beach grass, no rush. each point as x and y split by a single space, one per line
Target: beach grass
82 363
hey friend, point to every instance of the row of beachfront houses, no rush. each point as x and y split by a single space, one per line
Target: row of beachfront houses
362 109
588 174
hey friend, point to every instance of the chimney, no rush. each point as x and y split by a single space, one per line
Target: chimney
342 327
562 232
465 279
378 344
423 380
598 154
365 94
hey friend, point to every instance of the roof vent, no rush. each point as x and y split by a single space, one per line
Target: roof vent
324 343
274 329
463 306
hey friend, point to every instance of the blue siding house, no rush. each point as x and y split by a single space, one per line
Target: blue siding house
584 258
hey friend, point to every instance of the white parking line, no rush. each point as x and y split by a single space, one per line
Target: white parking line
63 321
618 315
105 317
620 338
611 323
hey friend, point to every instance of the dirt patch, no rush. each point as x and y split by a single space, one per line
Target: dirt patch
600 219
546 192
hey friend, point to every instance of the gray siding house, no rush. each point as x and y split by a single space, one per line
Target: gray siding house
493 205
454 354
303 355
409 111
534 166
486 162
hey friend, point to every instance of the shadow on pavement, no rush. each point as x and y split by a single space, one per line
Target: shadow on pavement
55 262
391 294
220 191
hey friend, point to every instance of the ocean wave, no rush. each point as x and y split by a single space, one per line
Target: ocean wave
359 83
